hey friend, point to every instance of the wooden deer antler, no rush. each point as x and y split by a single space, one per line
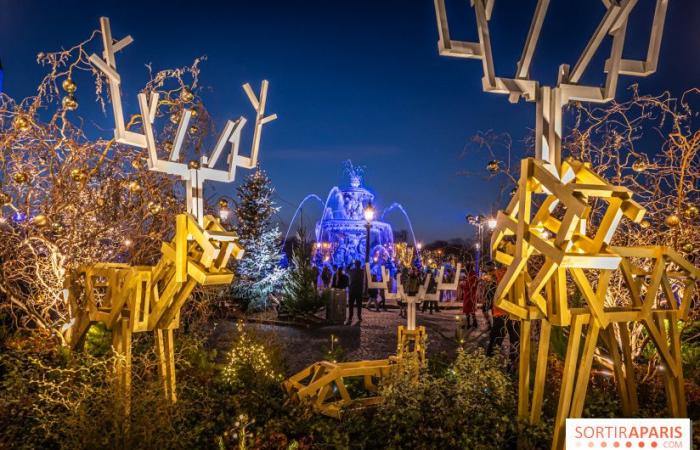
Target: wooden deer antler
551 100
195 173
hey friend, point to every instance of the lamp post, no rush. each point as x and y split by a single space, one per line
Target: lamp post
479 221
369 217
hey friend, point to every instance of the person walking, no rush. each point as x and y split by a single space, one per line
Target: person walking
340 280
469 290
357 278
326 276
432 289
502 325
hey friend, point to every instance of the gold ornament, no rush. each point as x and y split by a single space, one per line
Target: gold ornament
134 186
100 201
5 198
194 113
194 164
154 208
672 220
69 86
20 177
40 220
168 145
691 211
57 227
21 123
688 247
644 224
175 118
639 165
194 129
69 103
136 164
493 166
78 175
223 203
186 95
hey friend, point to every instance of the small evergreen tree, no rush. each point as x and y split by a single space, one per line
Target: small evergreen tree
300 295
258 272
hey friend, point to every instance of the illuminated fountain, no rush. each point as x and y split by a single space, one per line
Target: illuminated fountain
341 233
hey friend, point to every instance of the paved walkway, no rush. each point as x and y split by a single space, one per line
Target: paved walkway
373 338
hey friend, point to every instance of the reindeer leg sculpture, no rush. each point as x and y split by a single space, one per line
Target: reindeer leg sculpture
165 345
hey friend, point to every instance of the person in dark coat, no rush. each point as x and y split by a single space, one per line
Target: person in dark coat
326 276
357 288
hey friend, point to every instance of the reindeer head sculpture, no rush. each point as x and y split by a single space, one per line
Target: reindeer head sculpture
195 173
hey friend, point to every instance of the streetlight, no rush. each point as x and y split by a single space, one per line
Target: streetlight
478 221
369 217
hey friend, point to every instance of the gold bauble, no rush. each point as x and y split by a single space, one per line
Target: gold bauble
194 129
154 208
78 174
644 224
40 220
688 247
194 113
69 86
134 186
223 203
69 103
100 201
691 211
175 118
639 165
194 164
493 166
20 177
21 123
136 164
168 145
186 95
672 220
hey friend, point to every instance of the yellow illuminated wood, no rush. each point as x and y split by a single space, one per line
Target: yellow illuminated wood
132 299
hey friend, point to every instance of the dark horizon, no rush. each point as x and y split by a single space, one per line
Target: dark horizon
350 80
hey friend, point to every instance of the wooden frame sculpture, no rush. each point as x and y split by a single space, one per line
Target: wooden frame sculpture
323 384
130 299
549 218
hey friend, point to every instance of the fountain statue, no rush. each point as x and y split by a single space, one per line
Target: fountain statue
341 232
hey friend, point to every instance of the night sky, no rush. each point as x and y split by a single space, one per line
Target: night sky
355 79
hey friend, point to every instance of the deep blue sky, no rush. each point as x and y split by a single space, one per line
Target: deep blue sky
351 79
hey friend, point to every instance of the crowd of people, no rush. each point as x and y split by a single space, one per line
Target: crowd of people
474 291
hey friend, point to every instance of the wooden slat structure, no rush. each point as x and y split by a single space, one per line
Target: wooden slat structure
323 384
545 240
133 299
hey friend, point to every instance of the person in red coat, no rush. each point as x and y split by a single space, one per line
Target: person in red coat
469 289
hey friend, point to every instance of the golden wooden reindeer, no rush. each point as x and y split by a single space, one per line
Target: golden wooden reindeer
550 216
130 299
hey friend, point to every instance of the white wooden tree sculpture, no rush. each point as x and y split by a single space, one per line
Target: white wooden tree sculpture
195 173
129 299
561 235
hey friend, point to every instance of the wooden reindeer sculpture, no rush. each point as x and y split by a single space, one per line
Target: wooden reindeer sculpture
130 299
557 233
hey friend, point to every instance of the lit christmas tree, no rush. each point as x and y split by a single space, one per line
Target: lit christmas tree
259 272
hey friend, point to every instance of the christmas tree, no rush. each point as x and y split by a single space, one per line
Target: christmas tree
259 272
